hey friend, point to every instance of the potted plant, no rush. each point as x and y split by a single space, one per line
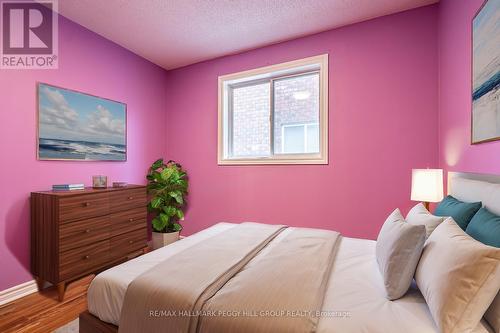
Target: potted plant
167 187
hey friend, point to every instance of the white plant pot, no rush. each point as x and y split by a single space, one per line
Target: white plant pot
161 239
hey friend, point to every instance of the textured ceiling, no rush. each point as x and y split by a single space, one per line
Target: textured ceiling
176 33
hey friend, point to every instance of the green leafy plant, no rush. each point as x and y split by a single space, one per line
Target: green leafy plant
167 187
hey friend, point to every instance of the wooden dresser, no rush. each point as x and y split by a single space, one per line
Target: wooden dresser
76 233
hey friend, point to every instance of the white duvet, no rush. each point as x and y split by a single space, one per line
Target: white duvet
354 301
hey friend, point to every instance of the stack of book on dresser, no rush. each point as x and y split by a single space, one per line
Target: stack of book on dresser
68 187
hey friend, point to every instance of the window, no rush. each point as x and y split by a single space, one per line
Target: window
275 115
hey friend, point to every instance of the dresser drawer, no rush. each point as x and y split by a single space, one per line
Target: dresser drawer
128 220
83 232
83 259
123 245
83 206
127 199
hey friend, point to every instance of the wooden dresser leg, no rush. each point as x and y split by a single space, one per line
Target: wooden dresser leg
61 289
39 283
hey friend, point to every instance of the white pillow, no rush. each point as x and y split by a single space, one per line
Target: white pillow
419 215
458 277
399 246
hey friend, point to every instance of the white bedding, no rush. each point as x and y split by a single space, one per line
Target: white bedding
107 291
355 292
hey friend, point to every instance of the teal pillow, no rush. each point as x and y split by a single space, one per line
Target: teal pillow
462 212
485 227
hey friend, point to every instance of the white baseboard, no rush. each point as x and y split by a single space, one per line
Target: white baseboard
21 290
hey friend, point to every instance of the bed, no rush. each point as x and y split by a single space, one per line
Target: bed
353 297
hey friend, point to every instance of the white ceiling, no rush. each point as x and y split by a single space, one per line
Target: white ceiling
176 33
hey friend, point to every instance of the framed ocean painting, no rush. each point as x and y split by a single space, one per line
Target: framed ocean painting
486 73
77 126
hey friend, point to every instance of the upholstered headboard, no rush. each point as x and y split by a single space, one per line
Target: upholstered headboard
472 187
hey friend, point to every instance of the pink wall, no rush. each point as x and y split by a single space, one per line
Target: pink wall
383 123
87 63
455 151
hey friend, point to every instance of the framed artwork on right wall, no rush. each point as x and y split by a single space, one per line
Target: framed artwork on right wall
486 73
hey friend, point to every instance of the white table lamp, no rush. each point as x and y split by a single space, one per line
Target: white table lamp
427 185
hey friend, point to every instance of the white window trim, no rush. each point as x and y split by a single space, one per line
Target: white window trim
304 125
321 62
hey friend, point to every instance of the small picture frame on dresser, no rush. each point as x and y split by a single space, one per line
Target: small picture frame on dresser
99 181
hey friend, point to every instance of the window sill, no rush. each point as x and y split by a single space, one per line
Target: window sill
274 161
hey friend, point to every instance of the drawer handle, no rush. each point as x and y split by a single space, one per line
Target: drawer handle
87 231
131 220
130 198
130 241
86 257
86 204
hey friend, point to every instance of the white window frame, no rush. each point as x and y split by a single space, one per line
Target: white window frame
312 64
304 125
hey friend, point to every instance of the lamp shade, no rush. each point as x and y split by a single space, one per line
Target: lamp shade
427 185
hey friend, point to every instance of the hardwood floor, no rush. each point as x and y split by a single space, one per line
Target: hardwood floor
41 312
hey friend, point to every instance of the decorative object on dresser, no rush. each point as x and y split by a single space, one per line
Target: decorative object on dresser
77 233
99 181
427 185
167 185
68 187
